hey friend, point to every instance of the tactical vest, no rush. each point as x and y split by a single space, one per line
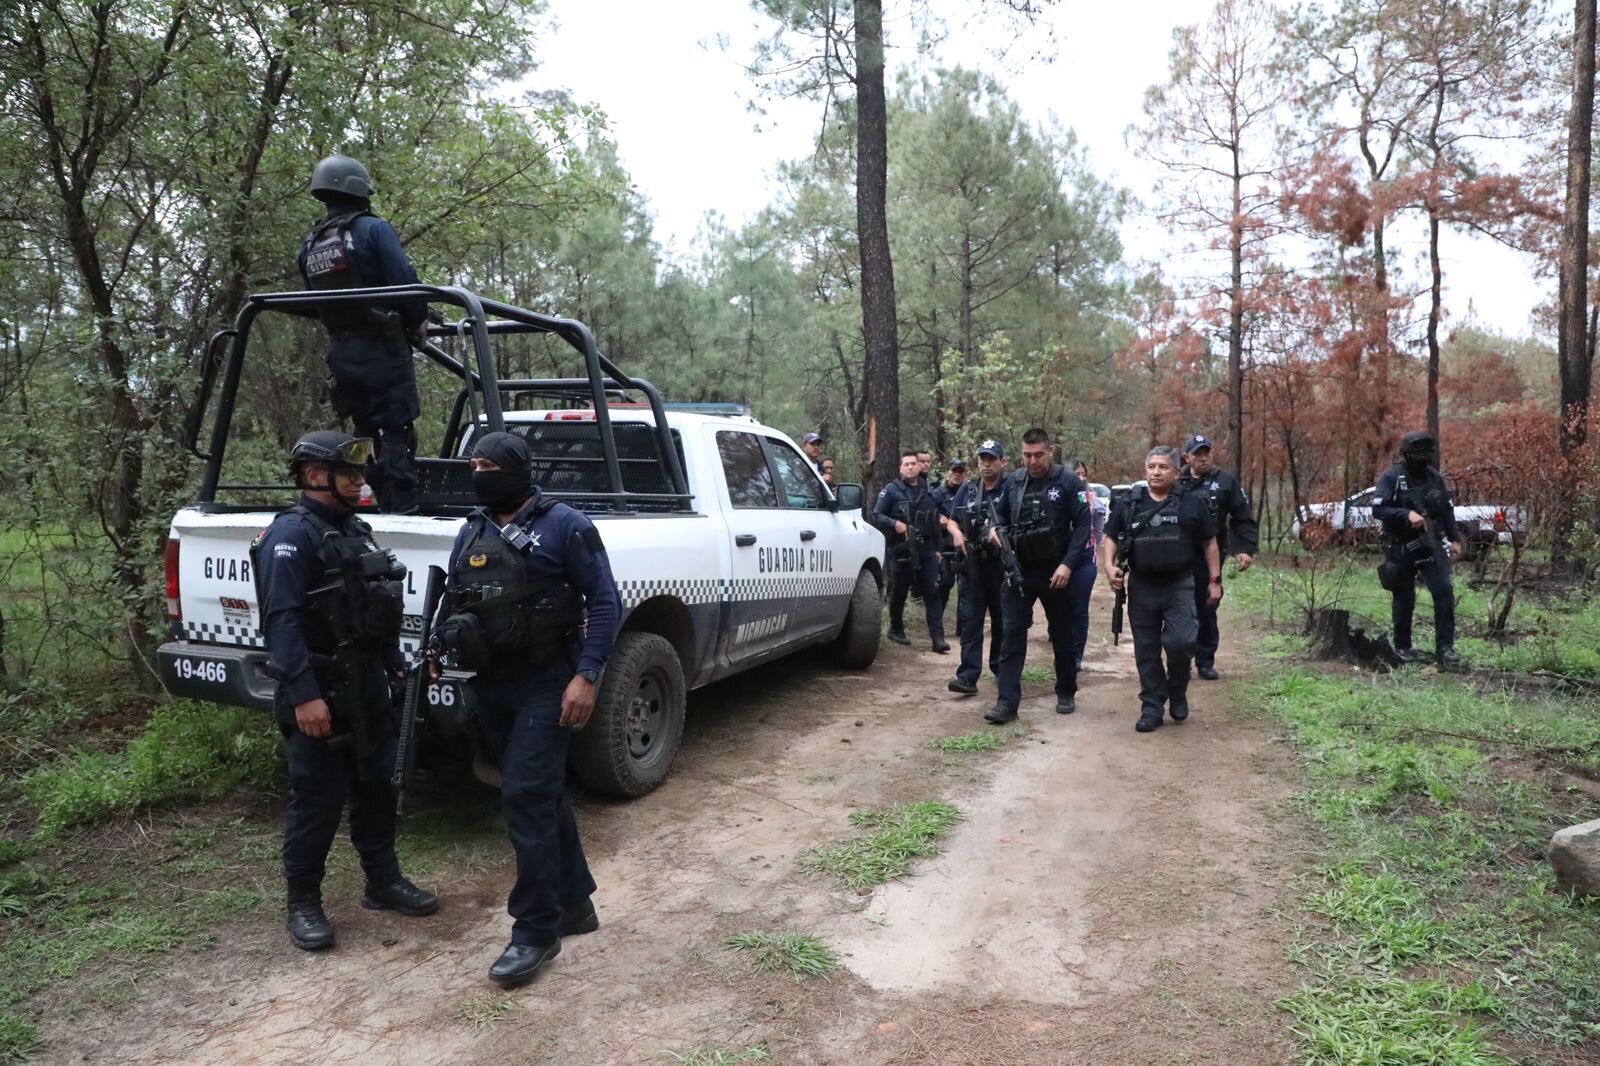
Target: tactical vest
331 264
1033 531
359 595
496 614
920 513
1159 547
1428 502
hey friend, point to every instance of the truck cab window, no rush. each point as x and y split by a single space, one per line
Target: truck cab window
797 477
744 467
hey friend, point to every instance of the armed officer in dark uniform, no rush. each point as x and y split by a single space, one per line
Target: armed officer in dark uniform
532 608
1045 511
944 576
331 611
980 575
373 381
908 517
1225 498
1419 518
1155 535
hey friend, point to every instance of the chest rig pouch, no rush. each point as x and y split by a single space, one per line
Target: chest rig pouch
497 614
1033 532
1161 550
360 596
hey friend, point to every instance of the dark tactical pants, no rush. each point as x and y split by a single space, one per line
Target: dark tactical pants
1404 604
322 777
1205 648
1061 620
919 569
1162 616
1081 588
521 718
944 579
375 386
979 596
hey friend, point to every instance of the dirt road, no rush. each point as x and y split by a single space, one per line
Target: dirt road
1105 900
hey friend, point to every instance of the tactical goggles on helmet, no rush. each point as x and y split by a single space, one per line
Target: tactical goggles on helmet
356 452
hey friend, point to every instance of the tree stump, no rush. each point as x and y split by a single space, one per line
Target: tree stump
1332 637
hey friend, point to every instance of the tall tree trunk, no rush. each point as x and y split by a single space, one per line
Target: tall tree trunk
1572 347
1435 307
880 384
1236 321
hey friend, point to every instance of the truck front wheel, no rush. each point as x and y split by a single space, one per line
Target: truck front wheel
628 745
857 643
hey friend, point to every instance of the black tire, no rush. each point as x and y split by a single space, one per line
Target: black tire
629 744
856 646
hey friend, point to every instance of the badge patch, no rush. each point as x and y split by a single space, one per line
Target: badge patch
283 550
1055 493
477 560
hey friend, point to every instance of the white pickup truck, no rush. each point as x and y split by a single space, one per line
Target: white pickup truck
1350 521
728 550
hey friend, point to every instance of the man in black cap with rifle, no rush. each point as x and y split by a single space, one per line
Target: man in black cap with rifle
1414 505
373 382
1225 498
331 610
981 575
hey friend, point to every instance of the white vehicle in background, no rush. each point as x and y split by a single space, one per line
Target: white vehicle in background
1350 521
727 548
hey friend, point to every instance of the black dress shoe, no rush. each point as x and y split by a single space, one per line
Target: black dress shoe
941 645
518 963
966 688
1000 714
579 918
899 636
1066 704
1148 723
1179 710
402 896
1207 673
308 926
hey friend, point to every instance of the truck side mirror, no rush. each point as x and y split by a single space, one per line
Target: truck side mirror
850 497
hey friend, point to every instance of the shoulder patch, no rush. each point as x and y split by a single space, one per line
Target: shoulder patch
284 548
591 539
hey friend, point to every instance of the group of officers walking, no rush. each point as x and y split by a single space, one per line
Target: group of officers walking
525 571
1040 535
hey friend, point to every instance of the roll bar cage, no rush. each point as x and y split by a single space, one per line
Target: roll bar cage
481 318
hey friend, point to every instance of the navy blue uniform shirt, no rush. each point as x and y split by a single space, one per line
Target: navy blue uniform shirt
1428 495
1066 500
1232 512
895 502
564 542
288 567
380 259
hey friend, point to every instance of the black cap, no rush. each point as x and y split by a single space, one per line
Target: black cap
958 464
1196 442
991 446
811 438
505 450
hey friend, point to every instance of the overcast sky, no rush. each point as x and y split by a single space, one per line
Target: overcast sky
677 100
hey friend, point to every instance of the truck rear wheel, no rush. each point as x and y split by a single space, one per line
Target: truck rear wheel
857 643
628 745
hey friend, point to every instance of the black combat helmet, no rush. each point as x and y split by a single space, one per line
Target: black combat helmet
332 446
339 175
1418 442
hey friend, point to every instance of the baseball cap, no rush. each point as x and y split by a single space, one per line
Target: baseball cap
1196 442
990 446
958 464
811 438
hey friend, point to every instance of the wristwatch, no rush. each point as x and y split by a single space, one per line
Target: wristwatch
589 674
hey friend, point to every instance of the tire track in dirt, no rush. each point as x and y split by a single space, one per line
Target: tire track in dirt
1106 899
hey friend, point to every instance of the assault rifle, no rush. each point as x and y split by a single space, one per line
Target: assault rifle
1119 599
347 698
1008 555
970 520
405 752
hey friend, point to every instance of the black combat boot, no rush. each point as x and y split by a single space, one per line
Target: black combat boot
308 926
966 688
1179 708
1149 720
579 918
1066 704
1449 658
898 634
940 645
518 963
1000 714
401 895
1408 655
1207 673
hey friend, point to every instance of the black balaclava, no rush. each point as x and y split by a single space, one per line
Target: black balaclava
503 490
1416 452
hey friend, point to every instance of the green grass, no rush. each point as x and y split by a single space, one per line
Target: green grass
483 1011
1438 930
18 1038
889 839
188 750
796 954
707 1055
967 742
1037 675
